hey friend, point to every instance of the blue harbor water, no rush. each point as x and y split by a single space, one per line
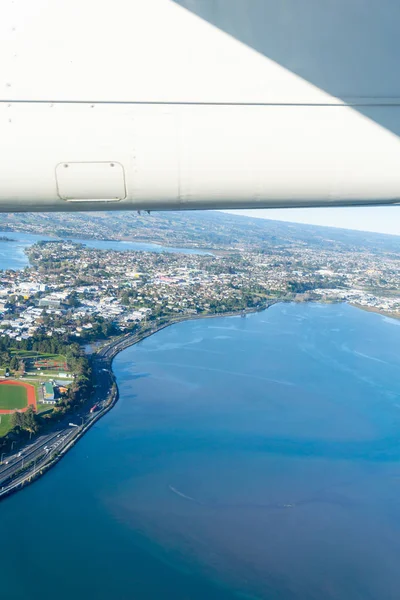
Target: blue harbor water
252 457
12 253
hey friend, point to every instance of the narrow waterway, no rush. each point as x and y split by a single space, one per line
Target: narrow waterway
13 256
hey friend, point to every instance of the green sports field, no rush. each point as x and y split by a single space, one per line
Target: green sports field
12 397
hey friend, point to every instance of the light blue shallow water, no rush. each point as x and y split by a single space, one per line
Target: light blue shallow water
12 254
257 455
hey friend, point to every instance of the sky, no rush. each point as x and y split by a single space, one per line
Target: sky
347 49
382 219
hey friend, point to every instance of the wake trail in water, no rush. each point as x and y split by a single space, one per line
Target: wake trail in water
222 371
182 495
319 497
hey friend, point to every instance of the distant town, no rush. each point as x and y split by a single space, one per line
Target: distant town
73 307
87 293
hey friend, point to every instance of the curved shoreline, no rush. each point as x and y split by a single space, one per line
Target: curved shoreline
106 393
102 370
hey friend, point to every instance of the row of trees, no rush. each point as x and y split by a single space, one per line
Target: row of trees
81 388
41 342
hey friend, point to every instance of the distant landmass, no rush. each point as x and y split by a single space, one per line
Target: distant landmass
202 229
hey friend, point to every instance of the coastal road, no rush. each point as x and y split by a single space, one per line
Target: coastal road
103 381
54 441
41 451
46 447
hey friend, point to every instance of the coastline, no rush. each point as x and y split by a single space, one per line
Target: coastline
104 381
375 310
107 393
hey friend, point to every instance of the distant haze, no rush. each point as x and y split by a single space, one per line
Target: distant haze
381 219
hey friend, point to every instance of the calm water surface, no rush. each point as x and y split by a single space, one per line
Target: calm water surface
12 254
255 457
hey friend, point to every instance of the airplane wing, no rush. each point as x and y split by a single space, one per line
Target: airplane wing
195 104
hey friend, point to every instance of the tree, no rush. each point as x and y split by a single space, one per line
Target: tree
5 357
17 420
73 300
14 363
30 420
21 368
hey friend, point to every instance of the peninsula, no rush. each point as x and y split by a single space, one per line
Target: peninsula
63 318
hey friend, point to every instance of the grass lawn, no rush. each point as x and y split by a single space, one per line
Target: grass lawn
12 396
44 408
17 352
5 420
5 424
56 357
35 354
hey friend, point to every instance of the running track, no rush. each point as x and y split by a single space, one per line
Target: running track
30 393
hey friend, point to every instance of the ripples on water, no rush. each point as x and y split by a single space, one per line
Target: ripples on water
265 463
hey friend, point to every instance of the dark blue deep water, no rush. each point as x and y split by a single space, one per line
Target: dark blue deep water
252 457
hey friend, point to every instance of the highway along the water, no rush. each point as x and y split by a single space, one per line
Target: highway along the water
245 458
